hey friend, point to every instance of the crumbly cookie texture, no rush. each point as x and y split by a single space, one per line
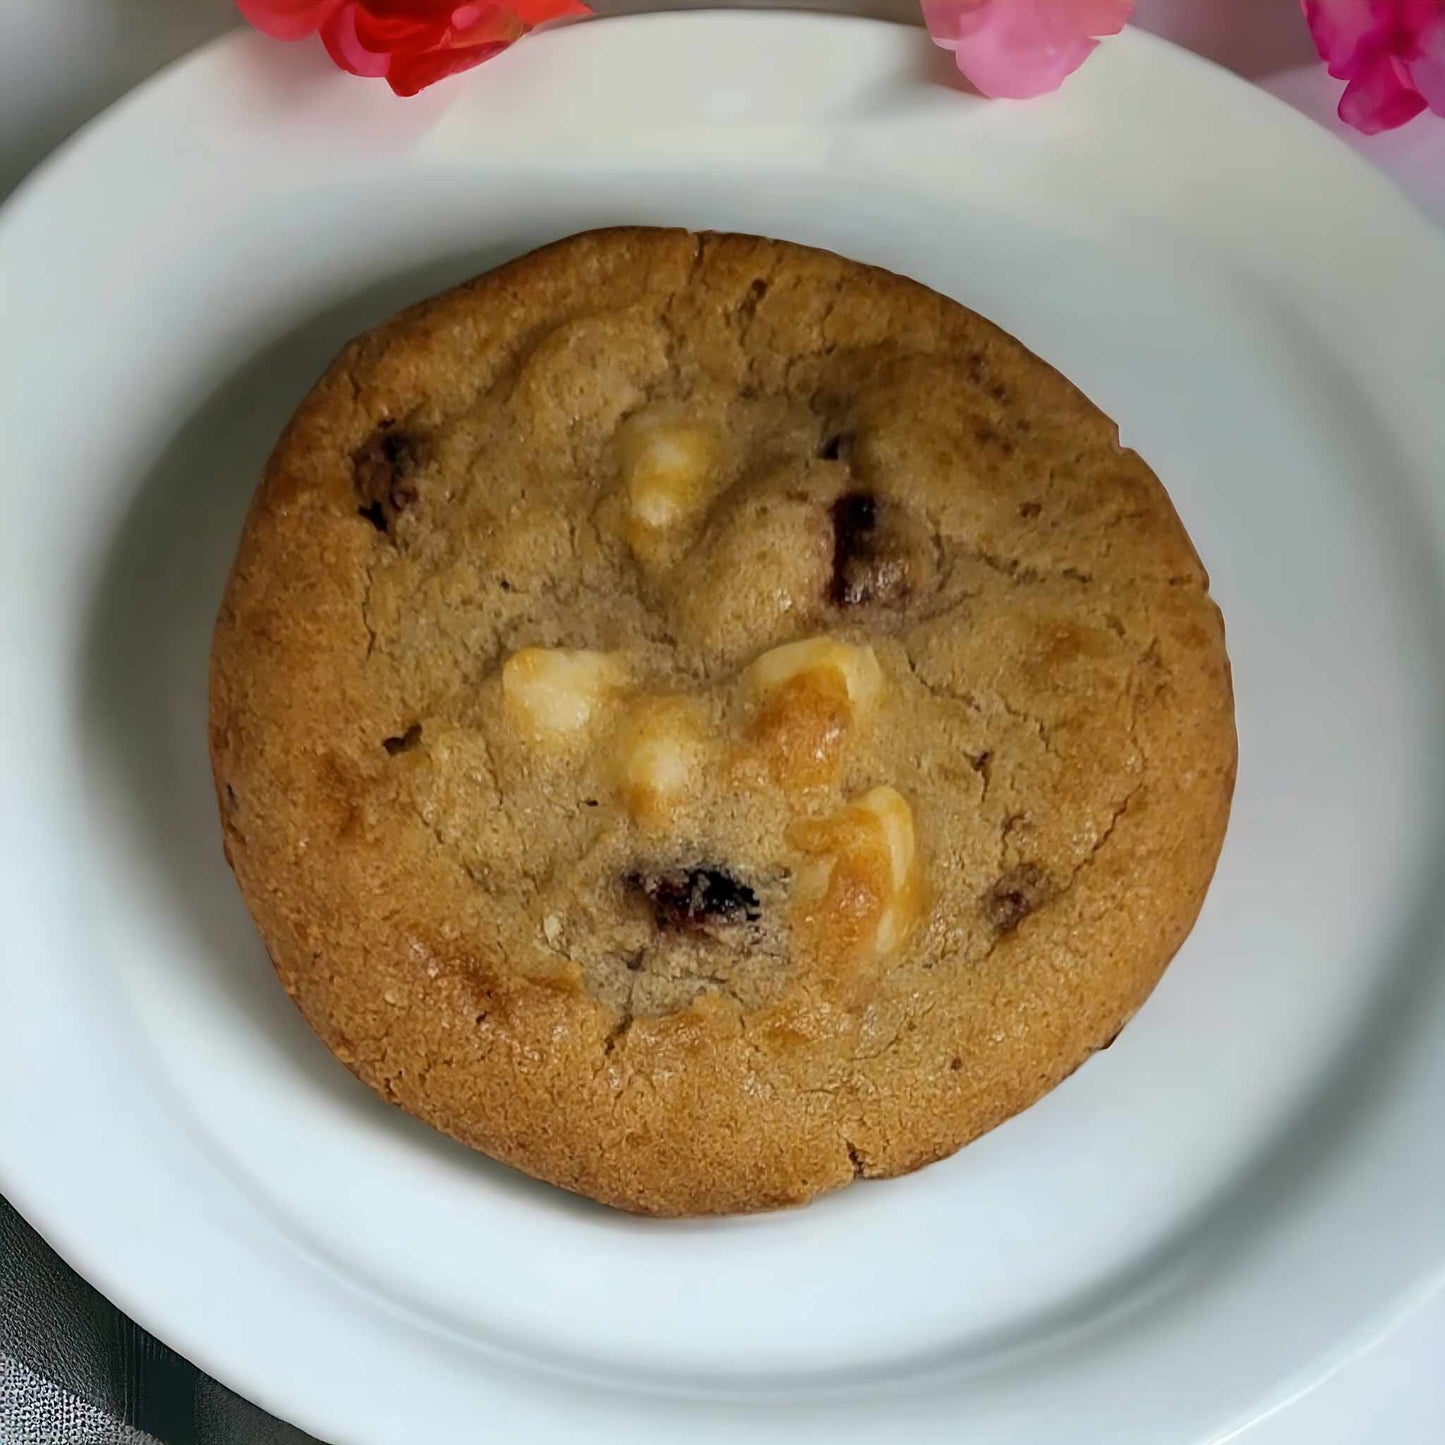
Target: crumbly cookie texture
701 720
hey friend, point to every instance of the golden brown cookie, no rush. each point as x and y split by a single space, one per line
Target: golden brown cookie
699 720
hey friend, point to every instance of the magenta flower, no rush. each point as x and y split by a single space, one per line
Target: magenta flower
1392 53
1022 48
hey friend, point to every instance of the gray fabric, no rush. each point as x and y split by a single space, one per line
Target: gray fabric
75 1371
35 1412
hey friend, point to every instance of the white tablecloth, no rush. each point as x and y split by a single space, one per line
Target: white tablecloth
62 60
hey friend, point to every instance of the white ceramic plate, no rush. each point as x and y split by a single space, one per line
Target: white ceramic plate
1195 1225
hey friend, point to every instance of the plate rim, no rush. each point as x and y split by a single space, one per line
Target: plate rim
54 171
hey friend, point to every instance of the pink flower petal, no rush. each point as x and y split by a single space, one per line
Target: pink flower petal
1341 27
344 46
1380 96
1022 48
414 72
1419 16
388 33
1427 67
955 18
1391 53
427 10
488 25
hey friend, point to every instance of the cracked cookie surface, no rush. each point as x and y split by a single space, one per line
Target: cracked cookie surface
700 720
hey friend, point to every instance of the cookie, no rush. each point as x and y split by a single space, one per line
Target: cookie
702 720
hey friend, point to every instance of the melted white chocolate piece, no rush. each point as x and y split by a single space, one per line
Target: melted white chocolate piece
894 820
860 892
668 464
805 697
661 748
856 666
553 692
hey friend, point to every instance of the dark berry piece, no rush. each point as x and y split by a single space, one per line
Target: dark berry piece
694 898
404 742
870 559
384 470
1017 894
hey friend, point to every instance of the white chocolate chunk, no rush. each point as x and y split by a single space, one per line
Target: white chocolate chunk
659 765
667 464
861 891
857 666
811 880
895 824
661 750
553 692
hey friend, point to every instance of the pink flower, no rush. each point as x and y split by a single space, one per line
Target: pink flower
1022 48
1392 53
412 43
